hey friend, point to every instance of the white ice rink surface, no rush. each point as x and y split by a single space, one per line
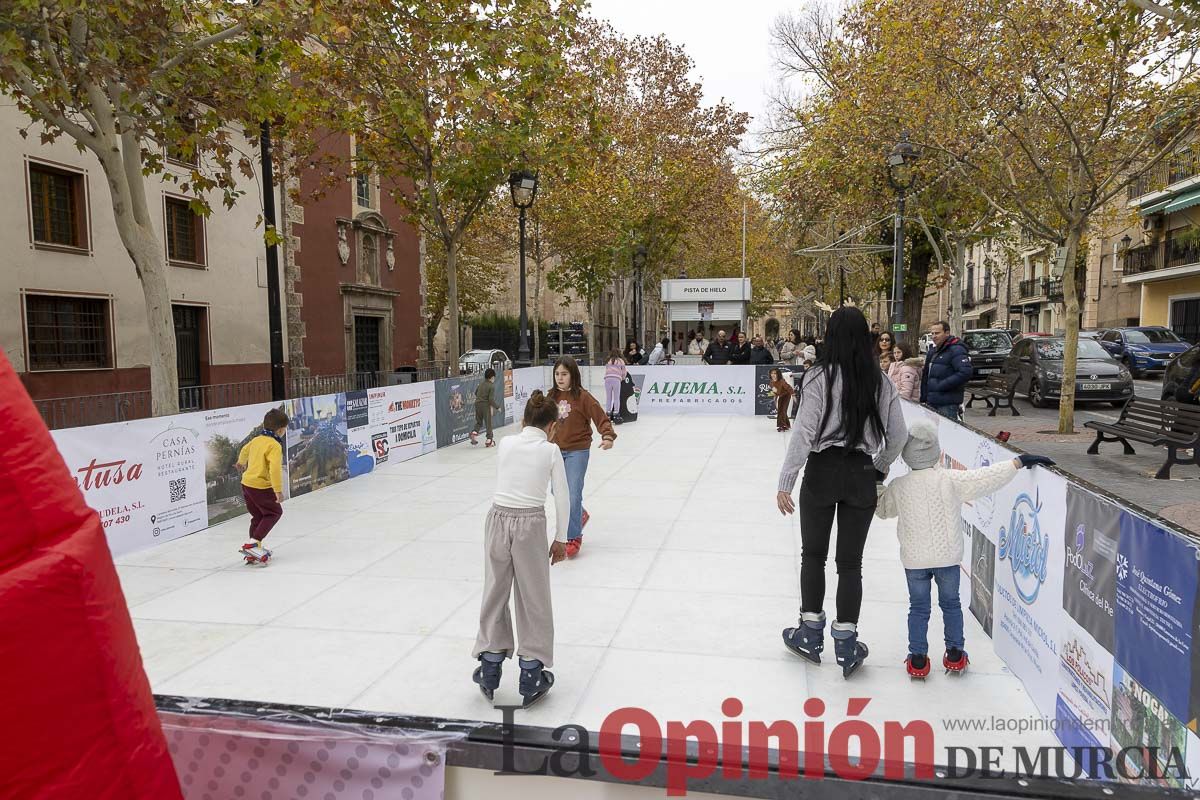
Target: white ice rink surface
687 575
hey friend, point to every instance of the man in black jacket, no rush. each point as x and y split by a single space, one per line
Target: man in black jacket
947 370
718 351
759 354
741 351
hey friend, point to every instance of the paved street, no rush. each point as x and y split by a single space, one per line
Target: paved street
1130 477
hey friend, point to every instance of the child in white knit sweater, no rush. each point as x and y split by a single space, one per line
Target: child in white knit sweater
928 502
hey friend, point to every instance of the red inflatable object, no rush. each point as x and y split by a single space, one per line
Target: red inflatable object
77 719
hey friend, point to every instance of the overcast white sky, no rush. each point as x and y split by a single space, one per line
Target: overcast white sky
729 41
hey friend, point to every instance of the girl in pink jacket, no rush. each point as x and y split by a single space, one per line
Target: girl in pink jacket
905 372
614 375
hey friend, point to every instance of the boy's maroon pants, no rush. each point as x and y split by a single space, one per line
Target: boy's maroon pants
264 510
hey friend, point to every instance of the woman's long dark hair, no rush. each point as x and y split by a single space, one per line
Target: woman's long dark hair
848 353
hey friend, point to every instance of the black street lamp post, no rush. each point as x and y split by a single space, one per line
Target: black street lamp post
274 302
639 261
523 186
900 173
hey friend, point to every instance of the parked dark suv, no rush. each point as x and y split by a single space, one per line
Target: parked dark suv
1181 377
1149 348
988 348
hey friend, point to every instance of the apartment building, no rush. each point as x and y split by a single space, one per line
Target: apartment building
72 314
1162 260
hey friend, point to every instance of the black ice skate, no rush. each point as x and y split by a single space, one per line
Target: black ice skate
917 666
850 652
535 684
487 675
955 661
808 640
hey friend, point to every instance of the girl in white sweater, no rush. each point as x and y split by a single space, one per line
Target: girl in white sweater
928 502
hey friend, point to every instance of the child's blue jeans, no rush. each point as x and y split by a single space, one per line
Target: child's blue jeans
920 603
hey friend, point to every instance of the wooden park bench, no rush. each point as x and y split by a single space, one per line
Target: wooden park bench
1160 423
997 392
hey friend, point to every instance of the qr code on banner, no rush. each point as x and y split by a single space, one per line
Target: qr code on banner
178 490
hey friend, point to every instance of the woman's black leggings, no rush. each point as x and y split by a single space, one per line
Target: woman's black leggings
836 482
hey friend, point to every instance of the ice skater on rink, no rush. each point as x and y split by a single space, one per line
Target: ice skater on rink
261 464
515 557
928 502
485 403
578 411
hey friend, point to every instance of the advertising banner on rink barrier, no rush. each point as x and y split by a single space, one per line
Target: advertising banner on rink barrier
524 381
1095 607
398 424
696 390
316 442
455 400
145 478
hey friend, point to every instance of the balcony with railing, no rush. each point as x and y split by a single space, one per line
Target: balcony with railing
1032 287
1054 289
1181 252
968 297
1141 259
989 294
1182 165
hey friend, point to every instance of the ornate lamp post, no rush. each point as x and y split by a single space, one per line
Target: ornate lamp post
523 186
900 172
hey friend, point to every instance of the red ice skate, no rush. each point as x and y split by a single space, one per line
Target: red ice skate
573 546
914 671
955 661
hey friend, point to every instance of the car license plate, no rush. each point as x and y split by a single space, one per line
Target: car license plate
1095 387
988 370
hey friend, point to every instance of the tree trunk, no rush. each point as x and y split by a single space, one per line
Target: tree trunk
591 332
146 250
537 308
453 341
1066 403
914 289
619 286
957 272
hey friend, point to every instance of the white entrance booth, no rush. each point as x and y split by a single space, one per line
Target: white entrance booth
710 304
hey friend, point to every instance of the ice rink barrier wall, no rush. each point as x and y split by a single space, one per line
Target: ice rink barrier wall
154 480
1090 601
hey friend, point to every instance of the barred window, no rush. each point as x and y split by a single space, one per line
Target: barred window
67 332
185 232
56 206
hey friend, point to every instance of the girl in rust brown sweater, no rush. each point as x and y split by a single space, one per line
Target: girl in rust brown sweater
578 411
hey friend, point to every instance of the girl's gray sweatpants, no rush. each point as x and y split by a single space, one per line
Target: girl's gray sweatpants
516 563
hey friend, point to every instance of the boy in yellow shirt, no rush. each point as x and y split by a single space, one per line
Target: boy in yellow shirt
261 464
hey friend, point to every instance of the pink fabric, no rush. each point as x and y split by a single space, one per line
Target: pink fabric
906 378
615 369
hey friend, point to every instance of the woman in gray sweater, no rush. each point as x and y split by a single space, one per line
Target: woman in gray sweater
848 431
